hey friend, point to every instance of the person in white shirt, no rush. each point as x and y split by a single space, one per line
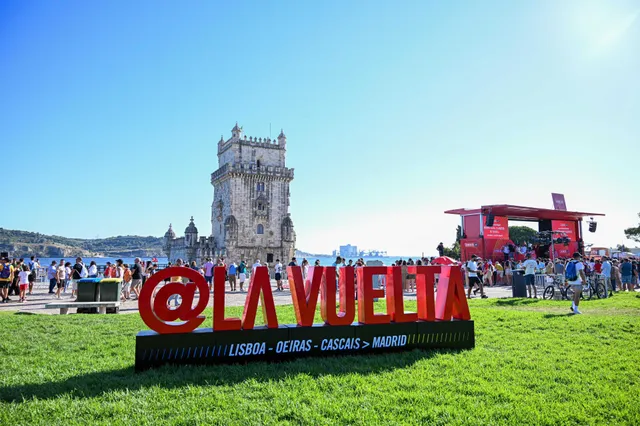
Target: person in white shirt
472 272
278 273
606 275
530 267
576 284
24 281
93 270
208 272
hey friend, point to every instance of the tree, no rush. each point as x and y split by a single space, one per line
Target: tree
622 248
633 233
454 251
458 233
521 234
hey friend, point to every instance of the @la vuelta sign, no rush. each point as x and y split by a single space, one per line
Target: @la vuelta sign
440 322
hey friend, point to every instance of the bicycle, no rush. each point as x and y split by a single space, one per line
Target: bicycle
592 287
566 292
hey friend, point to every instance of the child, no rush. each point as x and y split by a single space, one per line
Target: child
126 283
24 281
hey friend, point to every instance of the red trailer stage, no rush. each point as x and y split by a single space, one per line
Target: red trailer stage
488 241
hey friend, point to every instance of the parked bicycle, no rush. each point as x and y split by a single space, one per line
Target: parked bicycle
566 292
593 286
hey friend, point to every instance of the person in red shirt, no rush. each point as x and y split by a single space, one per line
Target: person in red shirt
110 271
598 267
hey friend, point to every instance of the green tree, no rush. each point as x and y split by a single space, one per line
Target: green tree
622 248
521 234
454 251
633 233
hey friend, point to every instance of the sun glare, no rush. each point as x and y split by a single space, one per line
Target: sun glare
617 31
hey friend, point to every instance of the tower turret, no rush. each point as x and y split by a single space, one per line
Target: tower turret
237 132
191 234
282 139
169 236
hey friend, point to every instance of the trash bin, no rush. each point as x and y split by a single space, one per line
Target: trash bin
519 289
109 291
88 290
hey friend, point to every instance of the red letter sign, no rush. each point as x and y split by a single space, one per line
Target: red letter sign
259 289
451 298
366 294
219 321
425 279
304 295
347 296
395 301
160 317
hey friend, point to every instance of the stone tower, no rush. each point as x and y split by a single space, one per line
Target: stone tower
250 212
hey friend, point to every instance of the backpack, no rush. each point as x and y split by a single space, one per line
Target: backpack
6 272
84 273
571 274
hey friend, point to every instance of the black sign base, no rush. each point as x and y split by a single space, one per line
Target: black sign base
204 346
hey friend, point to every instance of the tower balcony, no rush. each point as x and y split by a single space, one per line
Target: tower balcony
250 169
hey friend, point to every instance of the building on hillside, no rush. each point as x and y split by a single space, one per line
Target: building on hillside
250 211
349 251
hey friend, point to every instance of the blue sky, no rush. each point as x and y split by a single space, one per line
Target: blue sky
394 112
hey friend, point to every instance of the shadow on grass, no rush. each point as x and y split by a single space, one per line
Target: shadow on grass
515 302
91 385
548 316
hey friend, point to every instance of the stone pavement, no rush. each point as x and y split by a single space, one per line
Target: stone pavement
36 302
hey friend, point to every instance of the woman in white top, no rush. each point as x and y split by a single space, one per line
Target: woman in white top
508 272
119 269
305 268
93 270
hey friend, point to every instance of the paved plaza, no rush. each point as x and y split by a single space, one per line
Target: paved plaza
35 303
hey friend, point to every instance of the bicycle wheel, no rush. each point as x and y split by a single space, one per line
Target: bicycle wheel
600 291
548 293
587 292
568 293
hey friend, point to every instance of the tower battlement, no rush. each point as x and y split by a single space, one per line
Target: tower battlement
250 169
250 141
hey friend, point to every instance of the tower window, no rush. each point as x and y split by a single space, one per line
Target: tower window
260 229
261 207
258 163
260 187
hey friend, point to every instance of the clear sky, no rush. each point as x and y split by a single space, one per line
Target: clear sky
110 112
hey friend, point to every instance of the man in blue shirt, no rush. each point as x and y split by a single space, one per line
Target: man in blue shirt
232 276
626 270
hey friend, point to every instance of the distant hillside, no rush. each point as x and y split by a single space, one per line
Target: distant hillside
25 244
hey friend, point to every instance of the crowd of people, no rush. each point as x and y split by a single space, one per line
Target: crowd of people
17 276
616 275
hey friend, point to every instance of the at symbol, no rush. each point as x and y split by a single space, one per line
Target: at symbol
155 311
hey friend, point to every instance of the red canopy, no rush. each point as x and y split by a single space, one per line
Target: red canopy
524 213
444 260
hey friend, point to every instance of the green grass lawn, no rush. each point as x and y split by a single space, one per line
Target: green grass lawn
533 364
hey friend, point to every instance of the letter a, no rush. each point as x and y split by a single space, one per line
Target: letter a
451 300
259 289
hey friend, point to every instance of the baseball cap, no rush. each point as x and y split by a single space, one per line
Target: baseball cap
576 254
